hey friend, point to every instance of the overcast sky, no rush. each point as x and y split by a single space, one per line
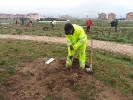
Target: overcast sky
74 8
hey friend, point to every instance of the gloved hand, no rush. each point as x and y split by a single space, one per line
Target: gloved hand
71 47
71 57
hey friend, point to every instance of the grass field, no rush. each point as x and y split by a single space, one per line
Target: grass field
100 30
113 69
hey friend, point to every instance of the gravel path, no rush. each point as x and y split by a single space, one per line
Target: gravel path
111 46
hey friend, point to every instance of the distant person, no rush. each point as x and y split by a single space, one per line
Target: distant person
53 23
116 24
16 21
22 22
112 23
30 24
88 25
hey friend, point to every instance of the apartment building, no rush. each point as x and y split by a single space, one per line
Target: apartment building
3 16
65 17
31 16
102 16
129 16
111 16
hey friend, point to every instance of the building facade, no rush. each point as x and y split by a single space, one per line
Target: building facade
102 16
129 16
31 16
65 17
111 16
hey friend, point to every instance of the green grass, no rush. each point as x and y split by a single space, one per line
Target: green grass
102 31
114 37
113 69
86 91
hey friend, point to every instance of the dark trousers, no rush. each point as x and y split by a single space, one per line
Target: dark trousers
52 26
115 28
88 29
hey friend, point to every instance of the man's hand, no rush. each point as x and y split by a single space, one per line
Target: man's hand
71 47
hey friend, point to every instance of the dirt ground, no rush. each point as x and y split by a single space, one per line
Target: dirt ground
38 81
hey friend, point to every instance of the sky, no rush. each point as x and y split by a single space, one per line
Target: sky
74 8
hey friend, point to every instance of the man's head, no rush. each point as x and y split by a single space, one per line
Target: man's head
69 29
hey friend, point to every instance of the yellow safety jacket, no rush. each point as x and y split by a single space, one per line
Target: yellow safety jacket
78 40
54 22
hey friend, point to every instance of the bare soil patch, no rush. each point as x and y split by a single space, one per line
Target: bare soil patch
38 81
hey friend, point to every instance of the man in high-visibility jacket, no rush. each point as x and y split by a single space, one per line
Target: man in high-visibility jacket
76 40
53 23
